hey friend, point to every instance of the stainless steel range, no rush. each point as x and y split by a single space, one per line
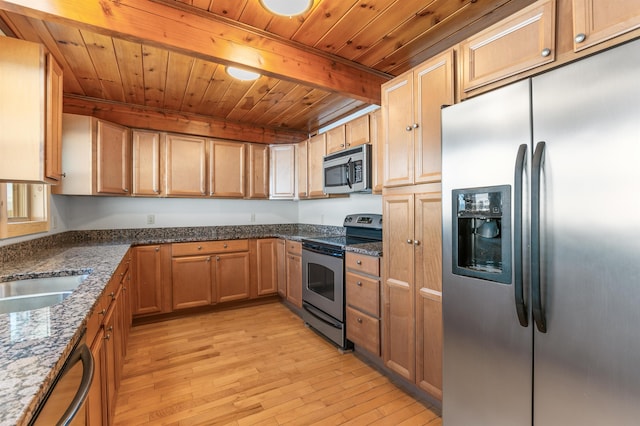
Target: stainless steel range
323 275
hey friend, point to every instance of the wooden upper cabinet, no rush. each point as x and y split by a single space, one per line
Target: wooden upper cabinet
226 169
411 130
377 160
258 171
357 131
336 139
96 158
146 163
282 171
113 158
53 138
595 21
30 113
302 182
316 150
185 165
521 42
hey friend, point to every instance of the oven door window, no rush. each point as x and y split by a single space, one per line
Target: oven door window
322 281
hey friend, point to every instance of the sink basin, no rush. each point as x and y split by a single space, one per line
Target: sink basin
25 295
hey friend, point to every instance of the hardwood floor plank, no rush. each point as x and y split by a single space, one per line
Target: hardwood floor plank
257 365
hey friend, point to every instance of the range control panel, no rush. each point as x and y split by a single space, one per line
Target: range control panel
364 220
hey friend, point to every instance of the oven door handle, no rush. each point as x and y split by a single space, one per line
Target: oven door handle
321 315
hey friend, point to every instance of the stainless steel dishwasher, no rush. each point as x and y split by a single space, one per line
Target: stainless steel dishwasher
63 403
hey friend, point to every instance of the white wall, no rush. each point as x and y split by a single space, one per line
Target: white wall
332 211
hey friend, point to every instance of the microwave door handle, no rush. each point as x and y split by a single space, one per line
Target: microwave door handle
349 173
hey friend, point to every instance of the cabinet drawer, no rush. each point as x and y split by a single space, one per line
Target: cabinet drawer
201 247
363 293
362 263
363 330
294 247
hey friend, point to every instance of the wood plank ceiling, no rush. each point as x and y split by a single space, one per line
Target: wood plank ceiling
161 63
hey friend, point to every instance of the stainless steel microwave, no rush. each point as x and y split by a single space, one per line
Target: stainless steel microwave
348 170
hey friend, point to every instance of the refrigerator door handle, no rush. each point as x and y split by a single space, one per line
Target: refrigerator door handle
539 315
521 307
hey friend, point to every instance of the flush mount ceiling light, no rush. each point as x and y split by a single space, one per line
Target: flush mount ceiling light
241 74
287 7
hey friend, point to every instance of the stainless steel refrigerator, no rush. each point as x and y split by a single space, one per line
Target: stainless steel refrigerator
541 248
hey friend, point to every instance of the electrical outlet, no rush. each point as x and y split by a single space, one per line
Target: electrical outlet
151 219
253 217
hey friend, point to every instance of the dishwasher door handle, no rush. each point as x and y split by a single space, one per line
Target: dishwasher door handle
82 353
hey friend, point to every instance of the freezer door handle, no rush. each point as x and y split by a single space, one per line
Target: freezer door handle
521 307
539 315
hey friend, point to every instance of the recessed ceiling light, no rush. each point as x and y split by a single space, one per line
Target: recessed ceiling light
241 74
287 7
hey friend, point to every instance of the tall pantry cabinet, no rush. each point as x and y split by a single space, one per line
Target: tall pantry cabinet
412 343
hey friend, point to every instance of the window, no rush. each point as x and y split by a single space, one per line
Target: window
24 209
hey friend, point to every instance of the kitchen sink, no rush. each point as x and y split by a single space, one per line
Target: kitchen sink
25 295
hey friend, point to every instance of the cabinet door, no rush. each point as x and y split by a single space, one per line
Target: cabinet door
294 279
377 142
282 272
398 130
267 266
316 150
336 139
96 399
301 170
433 83
185 162
226 169
595 21
258 171
232 276
282 171
428 225
146 291
112 159
146 163
192 281
112 360
398 284
53 139
357 132
523 41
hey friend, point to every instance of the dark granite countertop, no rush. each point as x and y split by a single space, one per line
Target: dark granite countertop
34 344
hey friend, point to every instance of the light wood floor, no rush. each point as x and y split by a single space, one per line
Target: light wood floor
253 366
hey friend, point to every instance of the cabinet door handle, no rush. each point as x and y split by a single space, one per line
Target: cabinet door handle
359 320
359 283
409 128
125 189
546 52
112 295
199 247
157 248
209 259
110 328
409 241
416 242
225 245
102 312
580 37
107 337
217 258
359 262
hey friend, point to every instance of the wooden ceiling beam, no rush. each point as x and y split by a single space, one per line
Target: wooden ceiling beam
210 38
141 117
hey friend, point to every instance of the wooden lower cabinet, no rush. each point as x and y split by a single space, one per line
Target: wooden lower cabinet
281 255
192 281
232 277
293 268
108 331
150 289
264 266
362 283
206 273
412 285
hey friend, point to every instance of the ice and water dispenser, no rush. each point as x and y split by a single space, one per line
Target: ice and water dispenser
482 233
